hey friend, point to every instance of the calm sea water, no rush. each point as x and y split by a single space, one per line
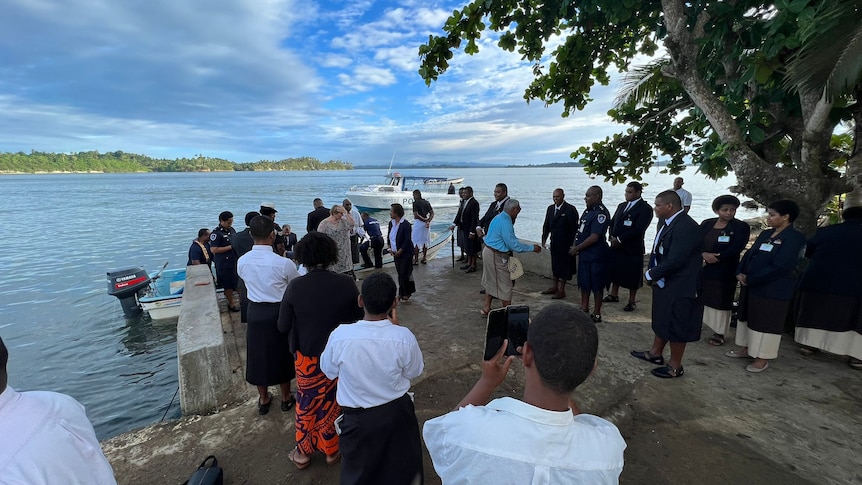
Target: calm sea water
64 232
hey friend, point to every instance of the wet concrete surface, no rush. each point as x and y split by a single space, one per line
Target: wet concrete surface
797 422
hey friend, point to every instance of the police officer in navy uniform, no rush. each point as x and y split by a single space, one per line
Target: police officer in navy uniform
592 250
224 257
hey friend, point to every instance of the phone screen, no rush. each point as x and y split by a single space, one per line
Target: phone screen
496 332
517 325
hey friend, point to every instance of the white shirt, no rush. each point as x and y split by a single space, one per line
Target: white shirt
685 196
45 437
357 223
265 274
512 442
373 361
394 233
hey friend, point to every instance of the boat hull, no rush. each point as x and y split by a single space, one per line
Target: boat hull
382 200
438 241
162 309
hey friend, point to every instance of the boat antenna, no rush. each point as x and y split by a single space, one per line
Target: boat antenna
390 164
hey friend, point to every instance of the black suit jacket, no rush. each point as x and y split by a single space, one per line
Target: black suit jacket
470 216
728 253
403 239
678 258
314 218
632 236
562 227
490 214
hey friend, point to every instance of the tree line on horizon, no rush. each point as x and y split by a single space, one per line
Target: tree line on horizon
122 162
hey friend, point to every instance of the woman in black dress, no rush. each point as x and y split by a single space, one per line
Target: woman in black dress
724 238
829 312
768 277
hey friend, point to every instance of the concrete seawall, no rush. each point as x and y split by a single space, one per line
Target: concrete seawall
205 377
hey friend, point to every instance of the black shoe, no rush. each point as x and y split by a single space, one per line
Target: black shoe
466 266
367 265
287 405
481 292
630 307
668 372
596 318
645 355
264 408
471 269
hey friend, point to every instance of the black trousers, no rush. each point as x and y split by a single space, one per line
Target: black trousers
381 444
354 248
404 267
376 244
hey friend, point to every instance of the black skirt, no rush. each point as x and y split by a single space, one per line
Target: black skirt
626 270
268 358
764 315
719 293
833 313
381 444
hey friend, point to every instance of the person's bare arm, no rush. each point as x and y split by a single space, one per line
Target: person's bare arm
493 373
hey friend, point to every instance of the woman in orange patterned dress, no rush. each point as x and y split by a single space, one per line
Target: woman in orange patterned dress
312 307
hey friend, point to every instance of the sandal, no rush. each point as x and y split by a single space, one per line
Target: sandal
484 313
716 339
806 350
288 405
737 355
668 372
423 261
611 299
645 355
264 408
299 464
404 299
333 458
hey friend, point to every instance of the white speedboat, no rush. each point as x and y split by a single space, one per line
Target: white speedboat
398 189
160 294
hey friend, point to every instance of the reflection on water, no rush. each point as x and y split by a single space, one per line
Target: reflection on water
66 334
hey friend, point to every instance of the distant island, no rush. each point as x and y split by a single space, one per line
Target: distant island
122 162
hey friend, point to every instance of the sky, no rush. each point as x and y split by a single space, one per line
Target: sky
252 80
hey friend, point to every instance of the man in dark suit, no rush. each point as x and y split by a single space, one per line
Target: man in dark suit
467 219
400 242
628 226
318 214
674 273
501 195
561 224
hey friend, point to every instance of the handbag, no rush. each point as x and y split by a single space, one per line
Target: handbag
207 474
516 269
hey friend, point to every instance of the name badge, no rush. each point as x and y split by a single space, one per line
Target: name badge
661 249
766 247
724 239
627 222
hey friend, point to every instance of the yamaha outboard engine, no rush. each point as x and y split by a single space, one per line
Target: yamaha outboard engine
126 284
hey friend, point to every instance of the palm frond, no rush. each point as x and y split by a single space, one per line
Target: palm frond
831 60
642 84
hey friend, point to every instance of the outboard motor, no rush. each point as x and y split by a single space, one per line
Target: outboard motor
127 284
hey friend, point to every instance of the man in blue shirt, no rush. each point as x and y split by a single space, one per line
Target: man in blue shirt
592 250
375 242
500 243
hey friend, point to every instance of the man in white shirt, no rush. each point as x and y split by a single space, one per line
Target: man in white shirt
683 194
542 439
45 437
266 275
357 232
374 360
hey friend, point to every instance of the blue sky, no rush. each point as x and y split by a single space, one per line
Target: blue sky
269 79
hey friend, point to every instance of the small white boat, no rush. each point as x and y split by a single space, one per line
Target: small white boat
164 297
439 240
398 189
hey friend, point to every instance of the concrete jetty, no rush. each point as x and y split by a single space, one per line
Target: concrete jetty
796 423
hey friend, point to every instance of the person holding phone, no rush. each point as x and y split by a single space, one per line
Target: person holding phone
545 429
500 243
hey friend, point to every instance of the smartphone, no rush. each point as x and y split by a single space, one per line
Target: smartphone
506 323
518 321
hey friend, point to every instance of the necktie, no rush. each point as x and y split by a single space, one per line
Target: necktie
629 206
